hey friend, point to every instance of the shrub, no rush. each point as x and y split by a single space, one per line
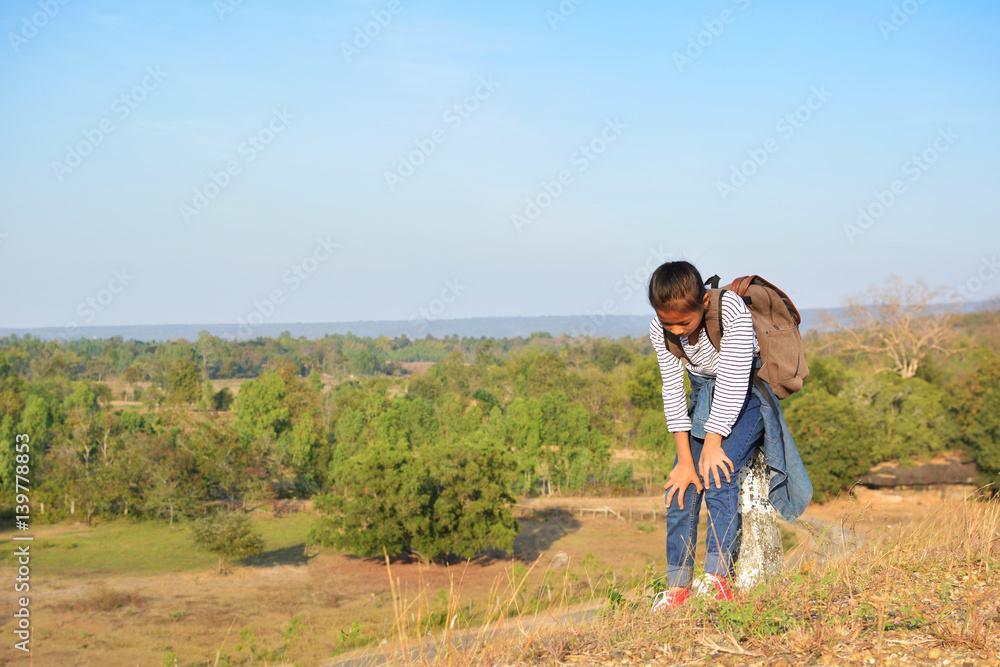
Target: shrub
228 535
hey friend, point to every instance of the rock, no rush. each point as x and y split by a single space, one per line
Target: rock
950 472
934 653
761 552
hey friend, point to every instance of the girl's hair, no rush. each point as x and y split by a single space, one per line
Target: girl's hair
676 286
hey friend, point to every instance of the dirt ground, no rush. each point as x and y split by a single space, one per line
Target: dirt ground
192 615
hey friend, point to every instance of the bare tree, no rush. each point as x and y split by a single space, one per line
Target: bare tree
894 325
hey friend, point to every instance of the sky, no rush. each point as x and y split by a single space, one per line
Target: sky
251 161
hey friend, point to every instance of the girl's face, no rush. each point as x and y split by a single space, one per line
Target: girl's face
682 323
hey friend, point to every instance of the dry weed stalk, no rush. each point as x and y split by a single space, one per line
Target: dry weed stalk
932 583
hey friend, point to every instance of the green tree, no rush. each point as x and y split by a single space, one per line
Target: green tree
223 400
834 438
976 409
385 492
610 355
183 383
261 411
234 468
644 387
553 442
368 362
440 499
657 445
469 509
174 483
227 534
906 417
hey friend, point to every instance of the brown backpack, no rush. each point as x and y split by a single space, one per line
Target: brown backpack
776 323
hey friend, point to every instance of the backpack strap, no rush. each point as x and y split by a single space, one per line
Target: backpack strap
713 316
713 326
674 345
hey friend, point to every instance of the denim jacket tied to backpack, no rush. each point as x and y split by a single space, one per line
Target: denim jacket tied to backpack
791 491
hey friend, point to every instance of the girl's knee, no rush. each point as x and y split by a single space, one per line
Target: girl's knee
691 500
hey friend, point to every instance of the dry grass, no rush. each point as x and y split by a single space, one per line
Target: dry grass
924 579
104 598
919 593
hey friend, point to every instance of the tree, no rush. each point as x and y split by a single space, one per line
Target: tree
223 400
261 411
233 467
207 401
609 355
907 417
208 346
553 441
485 355
894 326
644 386
833 438
368 362
385 494
657 445
183 383
470 504
976 409
227 534
173 483
444 498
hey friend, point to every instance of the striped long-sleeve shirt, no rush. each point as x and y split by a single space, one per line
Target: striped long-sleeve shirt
730 366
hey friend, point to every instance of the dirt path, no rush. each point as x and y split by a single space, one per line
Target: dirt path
428 649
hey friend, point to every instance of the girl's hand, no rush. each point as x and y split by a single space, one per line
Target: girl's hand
713 460
683 475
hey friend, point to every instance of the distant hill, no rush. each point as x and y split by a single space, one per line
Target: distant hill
611 326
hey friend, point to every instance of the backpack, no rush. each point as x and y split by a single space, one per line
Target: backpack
776 324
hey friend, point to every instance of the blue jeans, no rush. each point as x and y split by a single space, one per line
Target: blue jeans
722 541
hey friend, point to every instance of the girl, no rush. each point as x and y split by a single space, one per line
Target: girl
716 437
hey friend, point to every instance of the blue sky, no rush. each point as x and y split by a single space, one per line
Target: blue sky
200 161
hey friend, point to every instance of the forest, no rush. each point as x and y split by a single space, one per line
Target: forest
421 446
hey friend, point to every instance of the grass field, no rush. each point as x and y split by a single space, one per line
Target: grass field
128 592
124 593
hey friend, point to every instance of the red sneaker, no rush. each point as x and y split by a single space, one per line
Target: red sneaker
713 585
671 599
